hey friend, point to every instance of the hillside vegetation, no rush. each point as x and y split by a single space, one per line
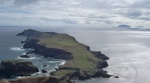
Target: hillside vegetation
83 58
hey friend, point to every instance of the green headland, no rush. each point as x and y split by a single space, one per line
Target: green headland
81 62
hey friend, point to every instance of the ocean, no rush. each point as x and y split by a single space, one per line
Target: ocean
129 51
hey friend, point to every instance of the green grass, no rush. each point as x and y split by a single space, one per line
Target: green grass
58 40
83 58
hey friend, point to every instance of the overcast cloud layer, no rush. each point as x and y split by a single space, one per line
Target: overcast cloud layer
75 12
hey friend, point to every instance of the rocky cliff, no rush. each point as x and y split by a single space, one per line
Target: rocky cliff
82 63
10 68
46 51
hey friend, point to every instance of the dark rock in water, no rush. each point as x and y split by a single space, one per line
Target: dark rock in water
100 55
17 68
101 73
23 42
102 64
25 56
45 65
116 76
44 71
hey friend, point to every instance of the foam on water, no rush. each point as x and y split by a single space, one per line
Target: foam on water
29 49
51 61
17 48
37 73
62 63
31 58
59 62
23 53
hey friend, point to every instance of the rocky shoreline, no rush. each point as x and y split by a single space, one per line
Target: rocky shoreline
82 63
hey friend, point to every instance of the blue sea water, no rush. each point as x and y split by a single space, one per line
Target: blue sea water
129 51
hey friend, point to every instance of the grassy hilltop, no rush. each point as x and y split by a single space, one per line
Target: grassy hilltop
83 58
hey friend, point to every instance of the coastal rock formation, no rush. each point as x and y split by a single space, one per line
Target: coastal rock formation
100 55
22 42
78 75
17 68
102 64
44 71
82 63
25 56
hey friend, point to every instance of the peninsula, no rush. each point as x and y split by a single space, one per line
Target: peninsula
81 62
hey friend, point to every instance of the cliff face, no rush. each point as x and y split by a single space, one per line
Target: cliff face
47 52
17 68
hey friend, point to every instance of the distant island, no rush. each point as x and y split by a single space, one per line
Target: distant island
124 26
82 63
128 27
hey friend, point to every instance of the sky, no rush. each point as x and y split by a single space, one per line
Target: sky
101 13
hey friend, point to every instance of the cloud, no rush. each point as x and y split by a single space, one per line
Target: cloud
141 4
24 2
107 12
131 13
67 21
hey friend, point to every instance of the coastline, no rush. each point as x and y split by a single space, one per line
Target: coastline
74 72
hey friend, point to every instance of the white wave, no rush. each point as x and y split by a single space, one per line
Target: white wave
52 70
62 63
47 66
37 73
29 49
56 66
41 74
22 76
17 48
57 61
23 53
31 58
52 61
